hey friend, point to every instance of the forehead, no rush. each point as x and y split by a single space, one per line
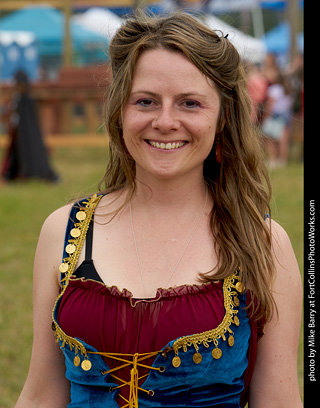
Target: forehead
165 68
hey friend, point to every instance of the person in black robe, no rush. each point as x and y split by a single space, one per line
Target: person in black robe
27 155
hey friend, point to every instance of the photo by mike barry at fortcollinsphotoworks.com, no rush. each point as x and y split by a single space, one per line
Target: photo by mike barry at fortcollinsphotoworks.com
310 297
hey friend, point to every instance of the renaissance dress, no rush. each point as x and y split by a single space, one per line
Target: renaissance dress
189 346
26 156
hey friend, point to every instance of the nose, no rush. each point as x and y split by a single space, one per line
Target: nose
166 120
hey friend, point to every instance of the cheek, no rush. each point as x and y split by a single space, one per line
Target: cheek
208 132
132 135
129 142
209 121
208 137
133 123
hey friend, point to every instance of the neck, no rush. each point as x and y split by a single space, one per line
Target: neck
166 194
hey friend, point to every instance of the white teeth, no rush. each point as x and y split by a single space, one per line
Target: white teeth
166 146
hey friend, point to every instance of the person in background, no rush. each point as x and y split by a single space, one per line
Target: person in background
270 68
295 74
276 126
258 89
26 156
175 287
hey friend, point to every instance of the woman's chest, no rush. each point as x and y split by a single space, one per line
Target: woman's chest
151 258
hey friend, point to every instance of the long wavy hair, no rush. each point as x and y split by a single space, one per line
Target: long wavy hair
239 185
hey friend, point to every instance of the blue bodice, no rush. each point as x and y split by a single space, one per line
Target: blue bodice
198 370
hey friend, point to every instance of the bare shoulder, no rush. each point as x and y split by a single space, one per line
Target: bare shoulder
56 221
280 237
287 270
51 239
278 232
287 286
274 382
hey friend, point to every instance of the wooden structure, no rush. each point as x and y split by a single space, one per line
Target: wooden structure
76 89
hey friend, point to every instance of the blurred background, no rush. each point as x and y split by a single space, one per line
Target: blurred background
54 57
63 47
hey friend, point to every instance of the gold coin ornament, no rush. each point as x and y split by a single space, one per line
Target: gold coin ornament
81 215
86 365
197 358
216 353
176 361
231 341
63 268
240 287
75 232
70 248
76 360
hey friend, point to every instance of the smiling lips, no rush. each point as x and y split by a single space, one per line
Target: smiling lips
166 146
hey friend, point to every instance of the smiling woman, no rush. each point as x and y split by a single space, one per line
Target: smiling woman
171 103
175 287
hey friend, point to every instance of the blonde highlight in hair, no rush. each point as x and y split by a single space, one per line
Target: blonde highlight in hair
240 185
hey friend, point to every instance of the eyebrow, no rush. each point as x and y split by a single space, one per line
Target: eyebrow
182 95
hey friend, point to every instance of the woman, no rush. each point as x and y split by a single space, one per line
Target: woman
164 296
26 156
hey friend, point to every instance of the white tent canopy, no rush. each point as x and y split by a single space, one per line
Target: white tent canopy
225 6
22 38
101 21
251 49
104 22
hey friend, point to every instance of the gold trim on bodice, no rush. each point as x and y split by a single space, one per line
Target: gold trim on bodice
231 287
73 249
78 234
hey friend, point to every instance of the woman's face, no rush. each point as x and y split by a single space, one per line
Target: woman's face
170 119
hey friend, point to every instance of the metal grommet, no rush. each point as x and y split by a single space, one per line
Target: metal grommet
162 369
151 393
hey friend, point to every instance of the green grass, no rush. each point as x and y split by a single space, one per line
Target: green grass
24 207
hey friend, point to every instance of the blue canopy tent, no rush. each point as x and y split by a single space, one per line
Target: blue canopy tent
18 50
48 26
277 40
277 5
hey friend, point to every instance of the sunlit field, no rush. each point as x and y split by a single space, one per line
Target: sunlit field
24 207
